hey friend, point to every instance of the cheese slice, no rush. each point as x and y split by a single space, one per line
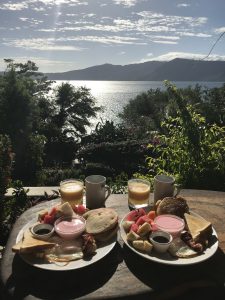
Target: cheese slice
199 228
29 244
65 210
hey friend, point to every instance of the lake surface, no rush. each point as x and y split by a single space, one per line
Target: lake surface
114 95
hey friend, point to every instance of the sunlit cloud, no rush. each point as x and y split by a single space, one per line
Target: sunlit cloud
39 5
183 5
15 6
172 55
220 30
128 3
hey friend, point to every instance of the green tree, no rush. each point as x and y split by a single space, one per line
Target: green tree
18 111
72 110
146 111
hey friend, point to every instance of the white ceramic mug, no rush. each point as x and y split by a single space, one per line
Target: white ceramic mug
164 186
96 191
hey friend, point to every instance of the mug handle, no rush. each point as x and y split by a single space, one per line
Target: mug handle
177 189
108 191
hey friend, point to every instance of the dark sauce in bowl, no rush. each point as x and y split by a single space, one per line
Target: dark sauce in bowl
161 239
42 231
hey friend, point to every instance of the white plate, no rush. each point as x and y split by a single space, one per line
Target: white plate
101 251
166 258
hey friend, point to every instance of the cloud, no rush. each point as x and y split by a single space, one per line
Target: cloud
172 55
193 34
128 3
39 5
183 5
219 30
105 39
44 65
43 44
15 6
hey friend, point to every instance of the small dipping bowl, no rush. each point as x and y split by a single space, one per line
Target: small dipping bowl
70 227
42 231
161 240
170 223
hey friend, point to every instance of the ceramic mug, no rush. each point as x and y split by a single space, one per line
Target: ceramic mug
164 186
96 191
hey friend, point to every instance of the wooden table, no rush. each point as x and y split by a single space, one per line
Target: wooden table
122 274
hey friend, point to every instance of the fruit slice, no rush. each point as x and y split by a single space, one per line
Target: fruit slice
134 228
132 236
144 229
151 214
127 225
135 214
141 220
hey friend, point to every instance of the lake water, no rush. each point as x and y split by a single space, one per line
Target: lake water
114 95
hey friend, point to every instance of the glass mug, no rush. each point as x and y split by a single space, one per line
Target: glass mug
138 193
72 191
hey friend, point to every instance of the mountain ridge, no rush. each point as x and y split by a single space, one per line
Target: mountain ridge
178 69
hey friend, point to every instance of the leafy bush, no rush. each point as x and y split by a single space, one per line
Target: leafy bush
11 209
191 150
119 156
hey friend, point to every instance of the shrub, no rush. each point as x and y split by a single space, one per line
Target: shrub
6 157
191 150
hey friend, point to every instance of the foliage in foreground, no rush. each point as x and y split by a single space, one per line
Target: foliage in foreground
192 150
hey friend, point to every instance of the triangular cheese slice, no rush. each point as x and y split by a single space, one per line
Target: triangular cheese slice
64 210
199 228
29 244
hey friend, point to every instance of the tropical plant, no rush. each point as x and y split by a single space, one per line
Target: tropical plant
72 109
191 150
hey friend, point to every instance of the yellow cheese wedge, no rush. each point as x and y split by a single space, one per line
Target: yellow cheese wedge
199 228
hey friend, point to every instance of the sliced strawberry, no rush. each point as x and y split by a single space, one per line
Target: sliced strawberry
53 212
79 209
135 214
134 228
49 219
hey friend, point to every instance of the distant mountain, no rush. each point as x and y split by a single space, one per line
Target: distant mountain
175 70
190 70
110 72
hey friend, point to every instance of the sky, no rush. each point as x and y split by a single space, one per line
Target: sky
63 35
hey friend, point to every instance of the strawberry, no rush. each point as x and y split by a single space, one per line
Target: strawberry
134 228
53 212
135 214
79 209
49 219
